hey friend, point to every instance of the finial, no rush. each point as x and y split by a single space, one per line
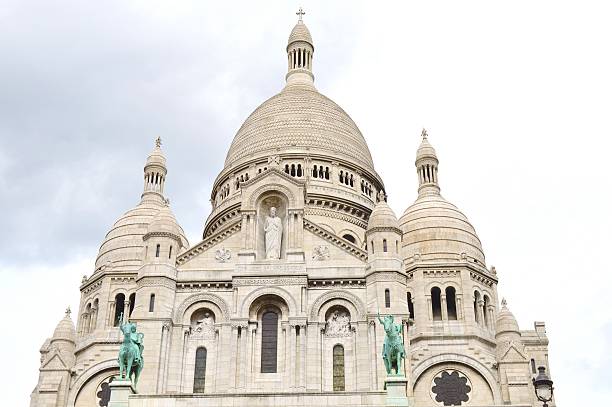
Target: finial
424 133
158 142
300 14
504 303
68 312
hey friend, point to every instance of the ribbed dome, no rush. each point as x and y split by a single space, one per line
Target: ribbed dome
123 244
65 329
436 230
299 119
382 216
506 323
165 222
300 33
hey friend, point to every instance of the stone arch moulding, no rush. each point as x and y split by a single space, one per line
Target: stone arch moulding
337 294
88 374
462 360
255 195
254 295
202 297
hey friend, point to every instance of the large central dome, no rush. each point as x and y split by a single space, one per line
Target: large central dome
299 118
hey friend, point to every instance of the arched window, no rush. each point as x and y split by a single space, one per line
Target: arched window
269 340
372 245
476 300
436 305
338 368
152 303
350 238
170 253
533 366
397 246
157 250
199 374
451 303
410 305
119 305
132 303
387 298
385 245
326 172
299 170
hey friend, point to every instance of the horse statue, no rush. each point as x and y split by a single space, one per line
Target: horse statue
130 353
393 347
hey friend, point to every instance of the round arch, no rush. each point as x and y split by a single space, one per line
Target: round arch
357 304
202 297
254 295
109 365
468 361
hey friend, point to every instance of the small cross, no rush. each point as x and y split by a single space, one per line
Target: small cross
68 311
158 142
424 134
300 14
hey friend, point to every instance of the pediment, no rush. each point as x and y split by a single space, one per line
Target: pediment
513 354
334 240
54 362
273 181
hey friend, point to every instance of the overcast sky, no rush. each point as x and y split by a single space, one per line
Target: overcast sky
516 96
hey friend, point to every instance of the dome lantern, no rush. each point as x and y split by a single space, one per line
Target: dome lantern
155 173
300 50
427 167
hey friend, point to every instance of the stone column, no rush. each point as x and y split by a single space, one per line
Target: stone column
443 307
292 362
110 321
126 310
303 337
429 309
372 338
244 335
481 312
459 301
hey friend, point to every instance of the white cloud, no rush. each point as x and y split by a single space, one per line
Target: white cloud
516 98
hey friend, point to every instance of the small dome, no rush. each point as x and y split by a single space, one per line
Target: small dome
165 222
506 323
65 329
382 216
157 156
426 150
435 229
300 33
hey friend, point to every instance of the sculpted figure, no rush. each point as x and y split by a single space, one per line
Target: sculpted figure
273 229
393 347
130 353
205 325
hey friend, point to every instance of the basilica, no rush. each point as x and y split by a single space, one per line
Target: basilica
278 303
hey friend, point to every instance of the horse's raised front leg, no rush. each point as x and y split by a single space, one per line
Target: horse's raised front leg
120 367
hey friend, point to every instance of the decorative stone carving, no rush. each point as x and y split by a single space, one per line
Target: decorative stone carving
273 229
203 325
222 255
274 160
338 324
320 253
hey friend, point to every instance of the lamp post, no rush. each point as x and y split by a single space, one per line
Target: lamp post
543 386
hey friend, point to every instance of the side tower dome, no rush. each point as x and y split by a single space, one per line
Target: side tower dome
433 228
122 247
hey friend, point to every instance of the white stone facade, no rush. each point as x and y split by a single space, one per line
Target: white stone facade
300 330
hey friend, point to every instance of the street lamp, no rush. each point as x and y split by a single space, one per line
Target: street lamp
543 386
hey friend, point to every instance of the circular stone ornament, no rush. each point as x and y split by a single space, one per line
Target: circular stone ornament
103 392
451 387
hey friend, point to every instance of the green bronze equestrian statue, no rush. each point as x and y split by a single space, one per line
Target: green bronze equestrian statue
130 353
393 348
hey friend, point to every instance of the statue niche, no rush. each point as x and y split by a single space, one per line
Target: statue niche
272 236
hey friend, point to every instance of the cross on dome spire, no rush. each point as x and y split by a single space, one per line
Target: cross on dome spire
68 311
158 142
300 14
424 134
